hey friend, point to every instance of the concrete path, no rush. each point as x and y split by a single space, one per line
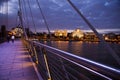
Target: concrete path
15 63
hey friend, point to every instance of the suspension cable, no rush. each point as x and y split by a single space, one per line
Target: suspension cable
46 24
31 15
20 17
23 13
111 51
24 3
17 19
26 14
25 17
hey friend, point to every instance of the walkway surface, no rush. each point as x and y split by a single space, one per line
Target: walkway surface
15 63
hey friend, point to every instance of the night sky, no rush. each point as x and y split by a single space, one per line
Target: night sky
103 14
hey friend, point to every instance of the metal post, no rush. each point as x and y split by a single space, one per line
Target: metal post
35 55
66 75
46 63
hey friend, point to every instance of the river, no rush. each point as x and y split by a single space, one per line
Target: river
94 51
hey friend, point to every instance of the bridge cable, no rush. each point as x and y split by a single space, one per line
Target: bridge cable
46 24
26 13
111 51
17 19
20 12
21 20
24 18
31 15
24 3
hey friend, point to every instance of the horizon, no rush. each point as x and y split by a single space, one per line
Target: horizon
103 14
99 30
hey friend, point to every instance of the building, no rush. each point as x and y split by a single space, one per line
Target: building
60 33
17 31
77 33
90 36
110 37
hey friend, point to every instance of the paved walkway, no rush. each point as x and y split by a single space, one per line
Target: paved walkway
15 63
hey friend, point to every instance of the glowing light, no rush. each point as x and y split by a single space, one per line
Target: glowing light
77 33
61 33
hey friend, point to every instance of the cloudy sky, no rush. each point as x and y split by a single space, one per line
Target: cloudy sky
103 14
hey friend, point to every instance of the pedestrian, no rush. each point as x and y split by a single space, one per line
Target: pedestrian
13 38
8 38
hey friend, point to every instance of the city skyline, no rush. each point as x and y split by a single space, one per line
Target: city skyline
103 14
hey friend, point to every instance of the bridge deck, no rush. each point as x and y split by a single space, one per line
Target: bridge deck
15 63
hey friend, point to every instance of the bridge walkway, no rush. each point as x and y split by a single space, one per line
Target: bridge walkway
15 62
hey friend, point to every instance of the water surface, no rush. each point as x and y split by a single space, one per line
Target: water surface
95 51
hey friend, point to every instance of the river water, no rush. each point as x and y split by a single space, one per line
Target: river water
94 51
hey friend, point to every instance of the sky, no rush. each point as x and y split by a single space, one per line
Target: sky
104 15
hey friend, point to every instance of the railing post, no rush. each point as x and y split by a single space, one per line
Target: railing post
46 63
31 48
63 67
35 55
75 69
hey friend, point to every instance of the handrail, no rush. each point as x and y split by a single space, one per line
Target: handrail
100 71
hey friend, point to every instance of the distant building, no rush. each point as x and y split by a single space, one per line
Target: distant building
77 33
118 37
110 37
17 31
60 33
91 36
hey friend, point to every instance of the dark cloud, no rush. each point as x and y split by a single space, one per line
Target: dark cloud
2 1
60 15
102 13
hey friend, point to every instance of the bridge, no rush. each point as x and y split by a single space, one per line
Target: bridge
31 60
15 62
27 59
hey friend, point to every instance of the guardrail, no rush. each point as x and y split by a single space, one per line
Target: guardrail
55 64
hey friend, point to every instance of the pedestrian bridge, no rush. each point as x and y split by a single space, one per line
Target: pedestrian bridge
15 62
31 60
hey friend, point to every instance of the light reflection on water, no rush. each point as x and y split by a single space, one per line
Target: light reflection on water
91 50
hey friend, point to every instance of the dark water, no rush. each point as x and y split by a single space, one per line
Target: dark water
94 51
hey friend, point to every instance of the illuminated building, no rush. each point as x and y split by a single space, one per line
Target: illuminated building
110 37
61 33
17 31
77 33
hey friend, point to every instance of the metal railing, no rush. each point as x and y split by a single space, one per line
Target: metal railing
55 64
